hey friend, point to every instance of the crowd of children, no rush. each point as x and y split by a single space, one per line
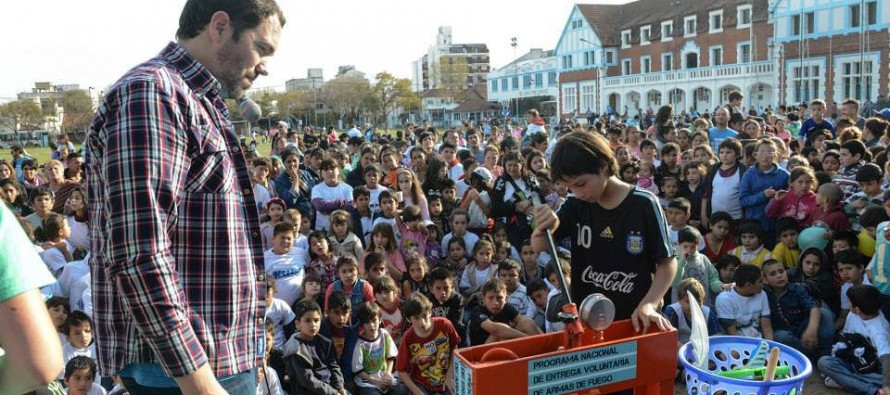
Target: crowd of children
384 255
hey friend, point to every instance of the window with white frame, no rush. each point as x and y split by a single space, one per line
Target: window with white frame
587 58
654 98
526 81
795 25
804 81
689 26
716 55
645 64
856 78
515 83
743 16
625 39
744 51
570 99
645 32
551 78
588 93
870 16
809 22
855 15
667 30
871 13
504 84
625 67
715 21
494 86
611 55
667 61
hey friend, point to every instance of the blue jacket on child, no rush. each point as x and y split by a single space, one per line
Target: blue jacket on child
751 196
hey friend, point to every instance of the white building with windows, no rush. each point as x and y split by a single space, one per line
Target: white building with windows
529 80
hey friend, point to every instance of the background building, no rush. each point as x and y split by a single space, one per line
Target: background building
689 53
449 65
527 82
832 50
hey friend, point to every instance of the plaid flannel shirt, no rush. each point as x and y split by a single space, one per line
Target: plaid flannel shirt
177 263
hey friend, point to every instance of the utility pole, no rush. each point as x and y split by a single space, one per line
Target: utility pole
515 73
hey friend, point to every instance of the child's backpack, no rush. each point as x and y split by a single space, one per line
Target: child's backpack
858 351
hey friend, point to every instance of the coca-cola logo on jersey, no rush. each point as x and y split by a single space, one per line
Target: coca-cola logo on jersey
615 281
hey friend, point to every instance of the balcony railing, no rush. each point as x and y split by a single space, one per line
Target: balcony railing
765 67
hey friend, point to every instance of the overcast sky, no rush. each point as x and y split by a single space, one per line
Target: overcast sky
93 42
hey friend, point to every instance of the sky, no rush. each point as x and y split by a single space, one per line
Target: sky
93 42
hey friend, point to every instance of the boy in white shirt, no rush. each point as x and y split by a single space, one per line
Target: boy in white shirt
78 329
56 231
744 311
329 195
459 221
80 377
867 320
285 263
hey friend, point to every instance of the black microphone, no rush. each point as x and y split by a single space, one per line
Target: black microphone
250 111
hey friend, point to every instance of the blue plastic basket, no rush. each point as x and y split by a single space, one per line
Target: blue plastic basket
728 352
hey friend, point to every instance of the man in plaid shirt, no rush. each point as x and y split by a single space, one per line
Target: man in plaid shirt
177 264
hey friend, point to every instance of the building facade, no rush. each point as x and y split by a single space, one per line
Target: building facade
314 80
832 50
531 77
454 66
638 56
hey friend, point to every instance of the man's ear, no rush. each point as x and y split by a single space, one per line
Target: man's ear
220 26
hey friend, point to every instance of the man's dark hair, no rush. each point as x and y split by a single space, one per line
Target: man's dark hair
866 297
366 311
283 227
786 223
360 190
869 172
441 274
580 153
339 300
243 14
416 305
304 306
745 274
535 284
850 257
873 216
689 235
847 235
80 362
681 203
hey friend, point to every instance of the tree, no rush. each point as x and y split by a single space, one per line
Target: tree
24 113
78 107
452 75
347 96
391 92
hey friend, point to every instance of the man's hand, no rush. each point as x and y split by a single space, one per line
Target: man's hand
646 314
769 193
810 338
200 382
545 218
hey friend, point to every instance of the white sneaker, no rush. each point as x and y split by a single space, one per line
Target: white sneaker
830 383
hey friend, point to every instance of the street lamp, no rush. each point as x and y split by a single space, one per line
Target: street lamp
515 72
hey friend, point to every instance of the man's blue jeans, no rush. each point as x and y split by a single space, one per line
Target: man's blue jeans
825 335
243 383
844 374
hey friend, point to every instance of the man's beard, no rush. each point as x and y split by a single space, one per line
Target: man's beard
229 73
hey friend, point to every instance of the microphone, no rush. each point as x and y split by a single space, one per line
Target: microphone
250 111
